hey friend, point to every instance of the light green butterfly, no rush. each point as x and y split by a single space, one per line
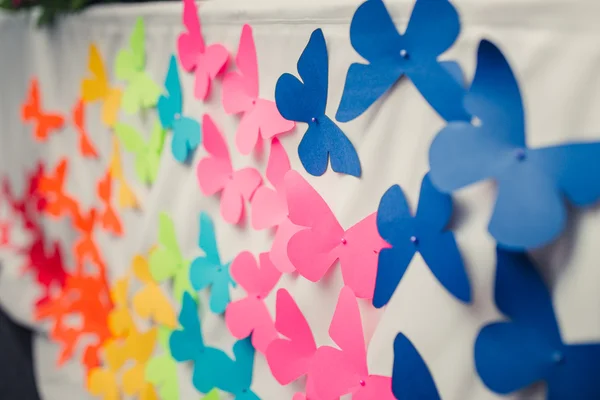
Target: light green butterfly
161 371
167 262
147 153
141 91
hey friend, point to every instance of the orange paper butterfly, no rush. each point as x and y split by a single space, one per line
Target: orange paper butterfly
58 203
86 147
31 111
109 219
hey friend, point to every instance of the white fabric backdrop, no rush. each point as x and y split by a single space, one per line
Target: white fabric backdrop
554 49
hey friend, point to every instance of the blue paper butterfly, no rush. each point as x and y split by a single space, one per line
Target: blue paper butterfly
532 183
433 27
511 355
212 367
208 270
186 131
240 377
411 378
424 233
306 102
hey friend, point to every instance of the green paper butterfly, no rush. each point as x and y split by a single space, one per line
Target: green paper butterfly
161 371
141 91
147 153
167 262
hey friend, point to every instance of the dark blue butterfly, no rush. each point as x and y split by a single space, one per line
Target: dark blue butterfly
511 355
212 367
306 102
433 27
532 183
411 379
424 233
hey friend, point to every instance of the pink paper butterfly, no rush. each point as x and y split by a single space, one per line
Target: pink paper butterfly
240 95
315 248
215 174
290 358
206 61
269 207
338 372
250 315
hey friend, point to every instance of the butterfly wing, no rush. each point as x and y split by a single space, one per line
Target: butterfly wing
31 108
311 250
573 168
102 382
134 142
240 88
213 172
339 372
299 101
110 108
411 378
358 256
512 355
162 372
187 344
169 106
186 137
289 359
210 64
97 87
165 261
190 44
395 225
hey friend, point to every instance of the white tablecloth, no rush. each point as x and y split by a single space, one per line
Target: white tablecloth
554 49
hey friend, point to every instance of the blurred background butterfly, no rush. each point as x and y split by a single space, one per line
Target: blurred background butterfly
141 91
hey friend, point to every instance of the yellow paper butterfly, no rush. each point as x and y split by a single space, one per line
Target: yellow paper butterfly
120 321
140 347
103 381
126 196
150 301
97 88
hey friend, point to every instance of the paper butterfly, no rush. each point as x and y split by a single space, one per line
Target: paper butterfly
109 219
147 153
306 102
216 174
140 347
269 207
97 88
85 247
432 29
250 314
186 131
45 122
314 249
240 95
150 301
46 261
141 91
206 61
212 367
411 378
341 371
125 196
532 183
58 203
86 147
208 270
104 382
161 370
291 357
120 322
528 348
167 262
424 233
